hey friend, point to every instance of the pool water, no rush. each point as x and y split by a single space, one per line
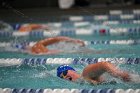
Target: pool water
44 76
116 51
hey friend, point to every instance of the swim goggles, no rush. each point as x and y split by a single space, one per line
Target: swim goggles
64 75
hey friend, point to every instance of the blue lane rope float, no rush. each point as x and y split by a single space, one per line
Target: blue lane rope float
34 61
22 45
74 32
109 90
43 61
105 17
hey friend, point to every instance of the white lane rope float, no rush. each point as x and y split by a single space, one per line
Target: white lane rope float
43 61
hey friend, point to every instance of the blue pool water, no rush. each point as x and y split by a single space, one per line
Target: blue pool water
44 76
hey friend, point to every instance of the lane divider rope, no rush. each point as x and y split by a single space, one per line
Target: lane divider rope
74 32
43 61
109 90
94 42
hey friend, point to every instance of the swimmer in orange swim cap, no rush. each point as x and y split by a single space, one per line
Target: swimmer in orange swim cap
92 73
31 27
41 46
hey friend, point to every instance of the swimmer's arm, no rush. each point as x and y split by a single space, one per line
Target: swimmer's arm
29 51
49 41
77 41
53 40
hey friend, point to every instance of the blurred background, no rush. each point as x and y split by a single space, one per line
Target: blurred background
36 10
56 3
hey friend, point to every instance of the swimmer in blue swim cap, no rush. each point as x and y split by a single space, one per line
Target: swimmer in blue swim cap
67 72
93 73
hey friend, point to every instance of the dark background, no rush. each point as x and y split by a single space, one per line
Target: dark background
54 3
20 11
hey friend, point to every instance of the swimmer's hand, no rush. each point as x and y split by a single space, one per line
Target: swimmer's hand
80 42
77 41
126 77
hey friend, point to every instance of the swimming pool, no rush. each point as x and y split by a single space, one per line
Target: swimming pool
35 74
26 71
44 76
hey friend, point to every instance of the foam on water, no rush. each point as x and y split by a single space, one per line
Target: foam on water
65 46
135 78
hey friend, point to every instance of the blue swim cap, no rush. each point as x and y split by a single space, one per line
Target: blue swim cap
63 68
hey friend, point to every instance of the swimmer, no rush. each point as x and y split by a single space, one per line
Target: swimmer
93 73
41 46
31 27
55 45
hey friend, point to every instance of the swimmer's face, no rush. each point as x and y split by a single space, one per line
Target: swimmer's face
69 75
